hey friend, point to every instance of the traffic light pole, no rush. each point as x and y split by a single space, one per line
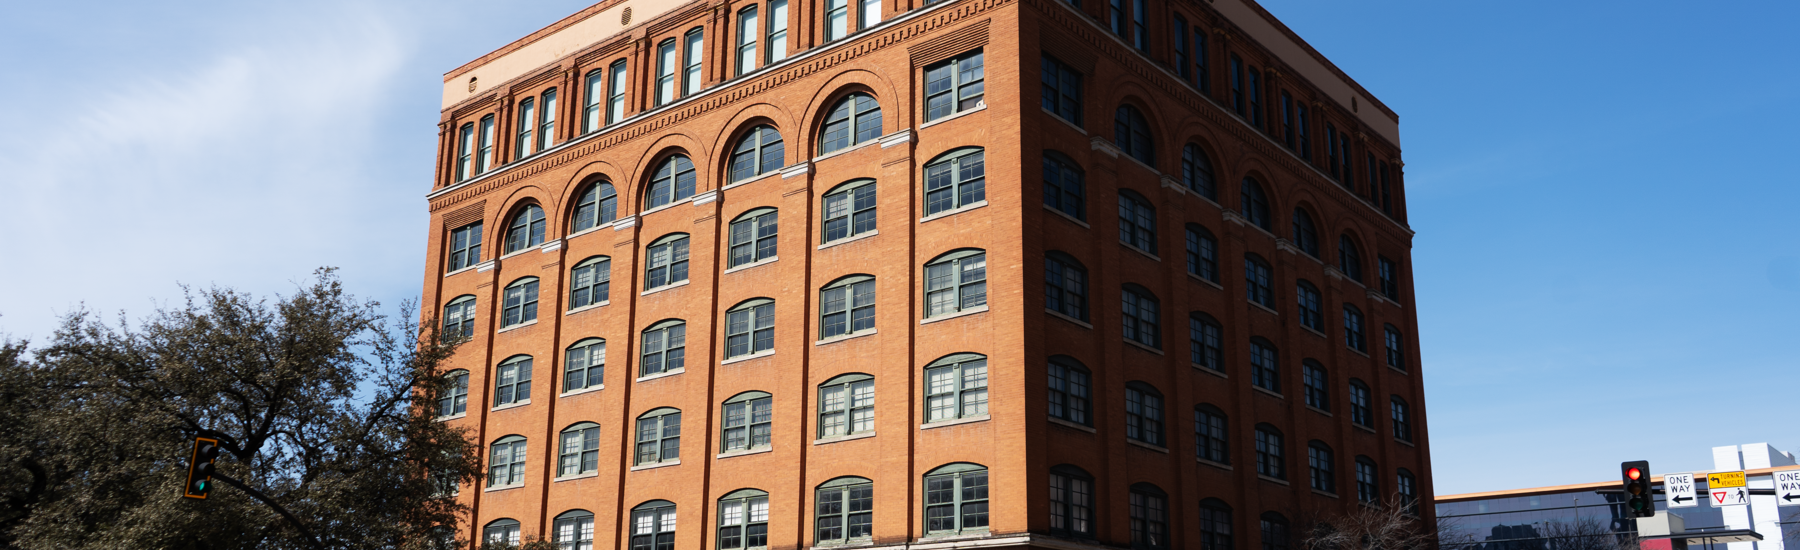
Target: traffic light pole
260 497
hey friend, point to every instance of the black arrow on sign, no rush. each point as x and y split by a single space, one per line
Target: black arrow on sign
1682 498
1790 498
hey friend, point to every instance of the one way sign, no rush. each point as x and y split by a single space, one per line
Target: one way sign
1680 490
1787 488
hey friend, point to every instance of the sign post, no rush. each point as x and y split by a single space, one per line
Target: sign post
1728 489
1680 490
1787 488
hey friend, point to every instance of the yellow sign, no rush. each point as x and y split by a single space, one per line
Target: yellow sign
1720 480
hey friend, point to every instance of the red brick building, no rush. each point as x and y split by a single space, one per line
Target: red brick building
784 273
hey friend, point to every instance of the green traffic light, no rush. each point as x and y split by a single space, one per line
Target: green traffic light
200 486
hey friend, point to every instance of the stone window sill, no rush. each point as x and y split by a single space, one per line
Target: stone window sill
843 337
953 422
1265 308
598 305
1059 118
1271 480
451 417
1324 494
850 239
655 465
1141 346
1226 467
1146 253
754 179
954 211
846 150
1315 331
964 313
670 286
1059 315
1398 370
512 405
1268 392
746 452
591 229
503 488
743 358
1068 424
1405 442
576 476
640 215
1358 352
589 389
1363 428
516 327
842 438
465 269
1210 370
663 374
1193 276
1318 410
520 251
1163 450
1066 216
980 106
758 263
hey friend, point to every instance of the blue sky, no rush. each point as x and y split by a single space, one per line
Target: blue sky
1606 239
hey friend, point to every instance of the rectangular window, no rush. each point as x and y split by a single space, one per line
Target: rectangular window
1237 84
955 285
520 305
778 25
747 423
1344 156
1287 120
1202 69
1255 92
580 452
1183 66
956 391
837 19
486 160
956 502
1209 436
1396 358
1313 378
1305 135
547 120
1118 17
1061 93
665 72
1203 344
527 123
615 101
870 10
596 96
465 247
953 86
659 438
847 408
1374 191
1149 520
696 52
1143 416
1387 195
1331 149
750 330
747 34
1390 282
1071 505
847 309
1268 455
849 212
465 151
1140 33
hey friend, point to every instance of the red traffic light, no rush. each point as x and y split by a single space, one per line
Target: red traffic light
1634 474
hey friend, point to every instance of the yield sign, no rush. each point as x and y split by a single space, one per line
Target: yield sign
1730 496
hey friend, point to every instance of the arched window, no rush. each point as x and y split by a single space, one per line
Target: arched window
1065 285
1408 488
1143 321
665 348
512 381
956 281
526 229
1062 90
750 328
1256 279
1204 349
519 303
1269 453
1149 516
1197 172
849 211
1265 372
465 151
1071 502
465 247
847 306
956 499
659 436
584 365
1202 253
597 206
455 398
653 526
1402 419
1306 237
1368 483
847 405
846 510
1319 461
591 282
672 181
1215 525
501 531
955 180
1143 414
1396 358
1064 190
956 387
459 318
1070 390
1254 205
1131 133
1137 221
668 263
1274 532
753 236
747 422
1361 413
744 520
1314 383
527 116
1211 436
953 85
574 530
1353 329
854 120
1307 300
506 462
1349 260
759 152
580 451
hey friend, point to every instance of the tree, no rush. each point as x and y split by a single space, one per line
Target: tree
1382 526
1587 534
321 405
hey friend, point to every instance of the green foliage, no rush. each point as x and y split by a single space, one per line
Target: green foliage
323 408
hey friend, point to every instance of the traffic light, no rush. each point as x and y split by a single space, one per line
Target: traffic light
1635 475
200 468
